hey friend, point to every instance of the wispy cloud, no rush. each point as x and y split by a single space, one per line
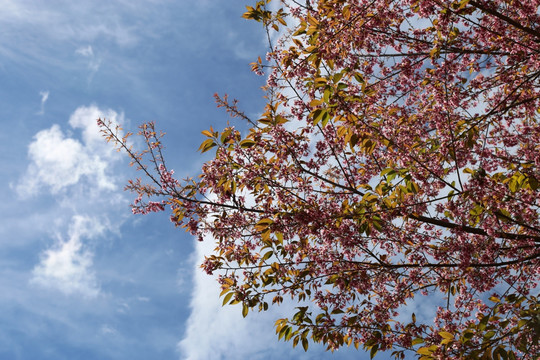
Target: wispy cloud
85 51
108 330
93 62
84 21
45 30
44 97
67 266
58 161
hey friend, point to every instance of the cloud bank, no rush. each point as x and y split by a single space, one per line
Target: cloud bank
216 332
220 332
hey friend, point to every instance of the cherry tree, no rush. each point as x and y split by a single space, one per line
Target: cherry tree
396 163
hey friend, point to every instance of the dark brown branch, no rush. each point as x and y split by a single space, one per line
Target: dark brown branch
505 18
472 230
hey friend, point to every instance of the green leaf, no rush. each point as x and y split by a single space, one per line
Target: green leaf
267 255
500 353
282 331
225 135
320 115
368 344
338 76
295 341
247 143
305 343
326 95
513 185
462 4
533 183
478 209
373 351
288 333
483 322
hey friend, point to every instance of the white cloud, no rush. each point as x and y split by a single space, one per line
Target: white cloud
123 307
78 160
85 51
67 266
108 330
220 332
58 161
44 97
85 117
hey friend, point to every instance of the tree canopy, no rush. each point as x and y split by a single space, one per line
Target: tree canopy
396 163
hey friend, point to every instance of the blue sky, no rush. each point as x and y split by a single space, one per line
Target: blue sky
80 277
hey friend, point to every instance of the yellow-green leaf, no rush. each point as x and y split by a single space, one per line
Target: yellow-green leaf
246 143
424 351
207 145
305 343
263 224
227 298
446 335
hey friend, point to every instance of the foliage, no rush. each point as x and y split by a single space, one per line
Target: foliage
396 163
